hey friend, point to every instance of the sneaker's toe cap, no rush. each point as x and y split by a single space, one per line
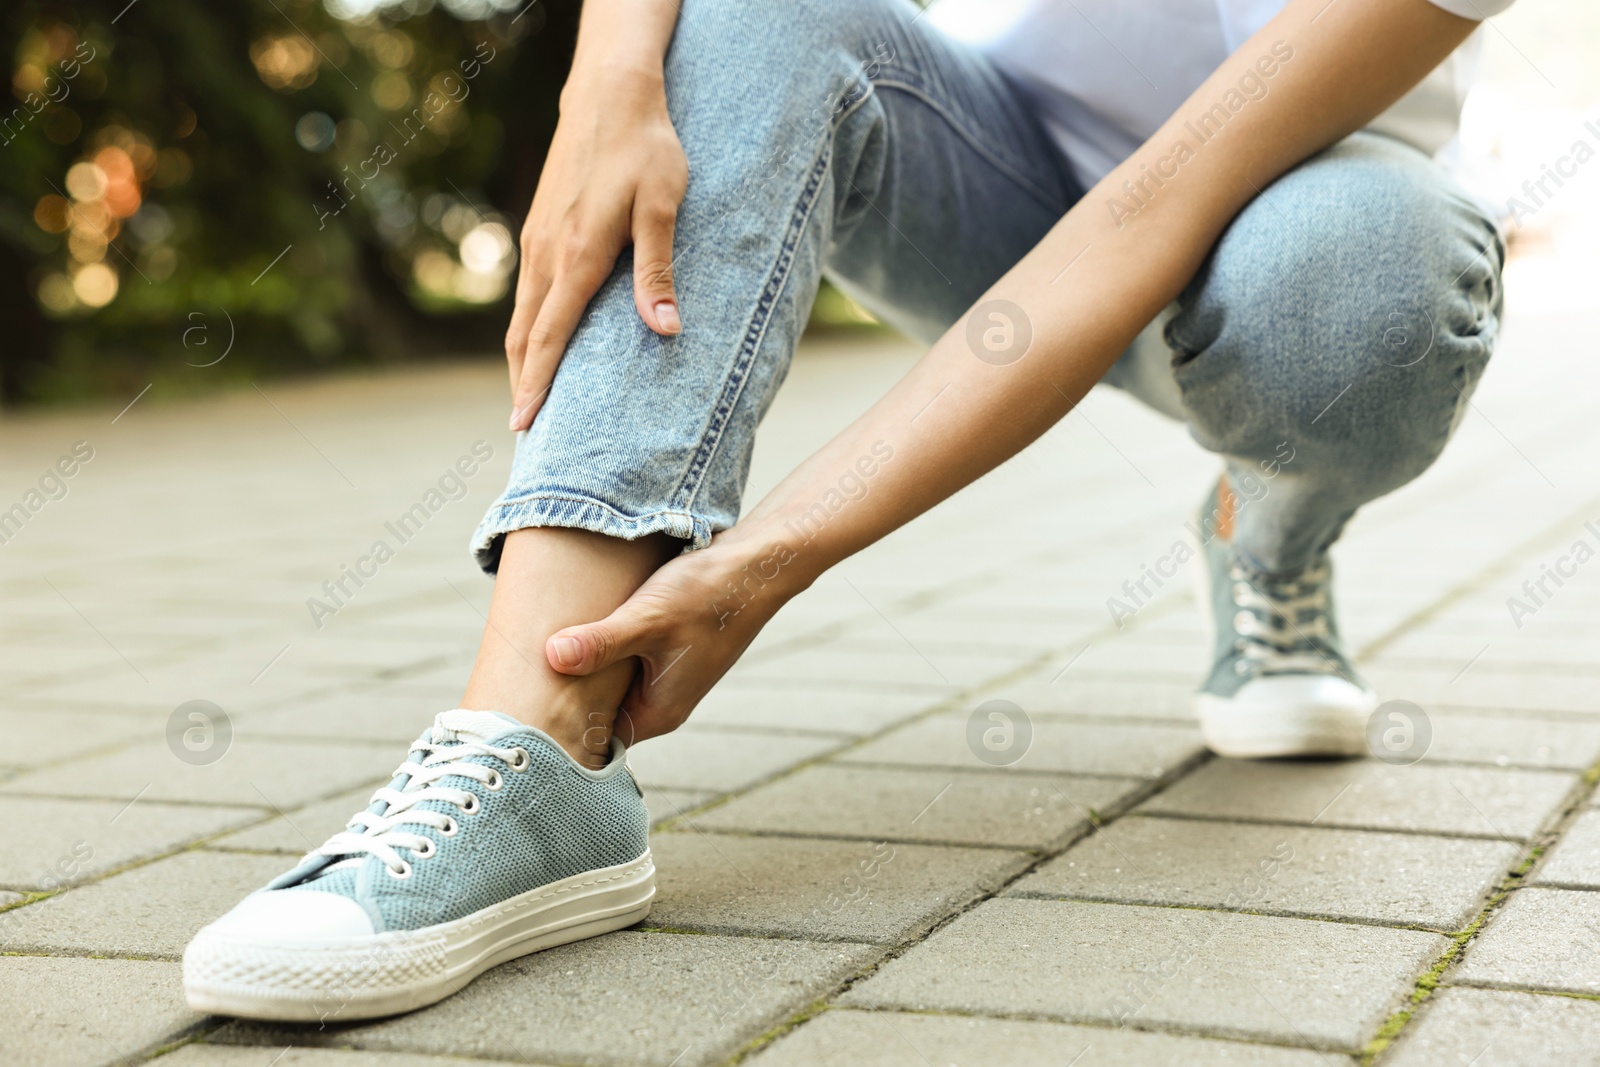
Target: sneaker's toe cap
294 915
1304 693
1288 715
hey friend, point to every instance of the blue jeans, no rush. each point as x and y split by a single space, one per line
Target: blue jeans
1344 316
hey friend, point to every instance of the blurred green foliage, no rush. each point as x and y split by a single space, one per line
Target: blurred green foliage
316 182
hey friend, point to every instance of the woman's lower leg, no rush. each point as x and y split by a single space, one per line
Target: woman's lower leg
550 578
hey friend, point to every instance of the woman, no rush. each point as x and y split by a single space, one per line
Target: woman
1315 302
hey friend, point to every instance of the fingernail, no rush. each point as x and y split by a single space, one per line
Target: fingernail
667 316
515 414
569 651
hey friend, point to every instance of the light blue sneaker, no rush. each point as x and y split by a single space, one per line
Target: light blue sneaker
490 843
1280 683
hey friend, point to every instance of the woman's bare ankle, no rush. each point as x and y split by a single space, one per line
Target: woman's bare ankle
584 733
549 579
577 719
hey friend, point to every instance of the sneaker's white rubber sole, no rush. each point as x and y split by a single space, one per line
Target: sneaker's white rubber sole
338 979
1289 715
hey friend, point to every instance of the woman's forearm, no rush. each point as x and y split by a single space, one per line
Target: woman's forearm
1314 74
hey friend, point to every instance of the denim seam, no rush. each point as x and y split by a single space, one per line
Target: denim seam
995 159
540 504
755 333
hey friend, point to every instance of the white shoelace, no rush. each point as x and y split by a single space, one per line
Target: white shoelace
384 835
1270 648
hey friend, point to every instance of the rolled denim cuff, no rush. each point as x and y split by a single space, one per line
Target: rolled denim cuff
577 512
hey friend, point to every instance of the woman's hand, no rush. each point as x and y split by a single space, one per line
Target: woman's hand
688 624
615 174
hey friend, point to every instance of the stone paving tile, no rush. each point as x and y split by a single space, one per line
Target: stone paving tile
83 1013
721 761
1486 689
376 715
1365 794
994 626
827 890
1405 879
1575 860
1289 981
628 998
843 1037
1426 648
33 737
294 833
1099 696
1541 939
1067 746
945 807
1514 741
254 772
152 910
45 706
664 804
1182 656
802 708
202 1054
56 842
840 662
1490 1028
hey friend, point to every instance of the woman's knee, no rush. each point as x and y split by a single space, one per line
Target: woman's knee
1352 307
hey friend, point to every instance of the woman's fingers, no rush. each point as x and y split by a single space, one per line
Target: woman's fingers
547 339
595 646
654 220
532 285
649 709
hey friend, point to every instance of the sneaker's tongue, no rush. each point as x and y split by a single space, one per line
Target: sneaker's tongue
474 725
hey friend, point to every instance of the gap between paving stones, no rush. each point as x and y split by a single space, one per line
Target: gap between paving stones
1334 1057
1257 820
1168 776
1499 567
1424 664
1430 980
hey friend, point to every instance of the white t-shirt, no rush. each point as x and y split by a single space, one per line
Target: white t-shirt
1105 74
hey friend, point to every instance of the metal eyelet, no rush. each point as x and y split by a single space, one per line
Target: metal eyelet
424 853
1241 667
403 873
520 760
1243 619
450 828
472 806
495 782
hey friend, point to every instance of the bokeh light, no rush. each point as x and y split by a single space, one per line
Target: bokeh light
314 132
95 284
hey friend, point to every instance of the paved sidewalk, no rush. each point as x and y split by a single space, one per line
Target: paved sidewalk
843 881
